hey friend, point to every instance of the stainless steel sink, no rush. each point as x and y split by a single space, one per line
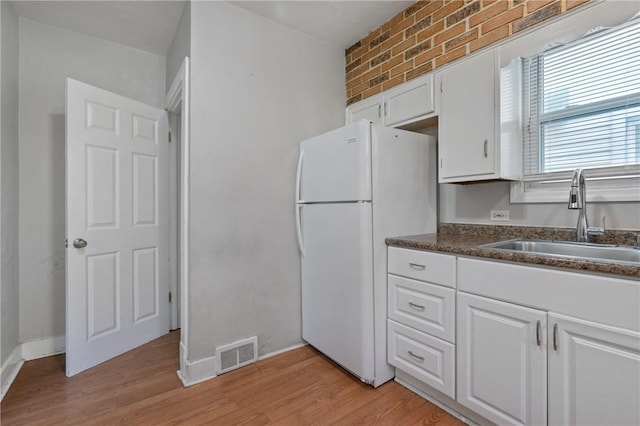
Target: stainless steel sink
599 252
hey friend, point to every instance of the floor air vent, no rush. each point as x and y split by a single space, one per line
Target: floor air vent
236 354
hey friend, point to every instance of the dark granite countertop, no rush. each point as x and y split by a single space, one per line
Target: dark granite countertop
464 239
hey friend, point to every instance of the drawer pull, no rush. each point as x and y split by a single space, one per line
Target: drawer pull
416 307
418 357
417 266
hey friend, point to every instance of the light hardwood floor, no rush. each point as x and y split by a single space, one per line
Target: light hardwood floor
299 387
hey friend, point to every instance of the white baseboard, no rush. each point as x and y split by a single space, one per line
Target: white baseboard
183 359
194 372
439 399
40 348
28 351
10 370
198 371
281 351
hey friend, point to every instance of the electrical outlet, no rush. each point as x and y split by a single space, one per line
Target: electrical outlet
499 215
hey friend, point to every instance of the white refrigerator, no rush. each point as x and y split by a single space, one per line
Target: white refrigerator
355 186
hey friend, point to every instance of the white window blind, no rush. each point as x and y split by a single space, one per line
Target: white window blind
582 107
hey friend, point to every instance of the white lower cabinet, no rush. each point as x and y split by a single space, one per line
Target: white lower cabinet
505 350
571 356
426 307
502 360
421 311
594 373
427 358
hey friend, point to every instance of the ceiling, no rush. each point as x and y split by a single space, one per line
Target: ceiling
151 25
145 25
341 23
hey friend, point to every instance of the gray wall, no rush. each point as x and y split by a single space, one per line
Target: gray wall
180 45
257 90
9 180
48 55
472 203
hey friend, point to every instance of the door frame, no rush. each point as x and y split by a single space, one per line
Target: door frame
177 100
174 218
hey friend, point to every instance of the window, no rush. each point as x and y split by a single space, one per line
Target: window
581 108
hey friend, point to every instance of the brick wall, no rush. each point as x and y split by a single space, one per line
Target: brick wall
429 34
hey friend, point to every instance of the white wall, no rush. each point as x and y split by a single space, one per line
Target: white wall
48 55
257 90
9 180
180 45
472 203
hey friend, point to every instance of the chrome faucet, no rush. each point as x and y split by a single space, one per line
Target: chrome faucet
578 201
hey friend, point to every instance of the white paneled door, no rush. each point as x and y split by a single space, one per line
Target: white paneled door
117 225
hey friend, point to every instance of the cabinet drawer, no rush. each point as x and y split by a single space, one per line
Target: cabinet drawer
426 307
421 265
428 359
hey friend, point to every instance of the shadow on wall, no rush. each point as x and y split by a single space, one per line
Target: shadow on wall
472 203
56 183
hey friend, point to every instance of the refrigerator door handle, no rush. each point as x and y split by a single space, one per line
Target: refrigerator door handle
299 175
299 229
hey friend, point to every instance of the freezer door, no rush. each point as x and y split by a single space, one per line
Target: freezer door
336 166
337 284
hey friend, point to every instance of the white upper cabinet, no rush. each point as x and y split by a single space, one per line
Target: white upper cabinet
471 147
369 109
467 129
408 102
477 104
411 100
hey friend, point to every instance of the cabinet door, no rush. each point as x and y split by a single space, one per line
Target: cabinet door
594 373
370 110
467 122
411 100
502 360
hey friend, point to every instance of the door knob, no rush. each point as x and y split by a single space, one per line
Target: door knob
79 243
